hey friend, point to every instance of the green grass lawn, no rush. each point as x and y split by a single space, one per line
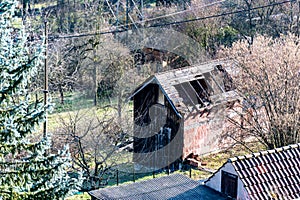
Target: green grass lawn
78 103
82 196
44 5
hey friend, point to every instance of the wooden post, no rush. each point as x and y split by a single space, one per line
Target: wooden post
117 177
133 174
127 14
95 77
45 77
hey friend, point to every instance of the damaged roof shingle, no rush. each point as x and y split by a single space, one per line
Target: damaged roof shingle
173 82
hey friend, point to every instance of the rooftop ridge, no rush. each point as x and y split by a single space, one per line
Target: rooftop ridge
264 152
220 61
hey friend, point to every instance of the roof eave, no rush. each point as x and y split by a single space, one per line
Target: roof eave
148 81
151 79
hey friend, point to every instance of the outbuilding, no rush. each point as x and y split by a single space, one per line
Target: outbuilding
175 186
179 113
272 174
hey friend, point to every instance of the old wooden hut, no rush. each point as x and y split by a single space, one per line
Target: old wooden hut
179 113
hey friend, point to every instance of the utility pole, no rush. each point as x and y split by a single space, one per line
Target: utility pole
45 76
127 14
142 10
95 75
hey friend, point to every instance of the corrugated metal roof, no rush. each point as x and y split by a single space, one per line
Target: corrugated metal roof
174 186
270 173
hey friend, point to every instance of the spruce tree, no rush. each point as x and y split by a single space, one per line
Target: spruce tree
28 169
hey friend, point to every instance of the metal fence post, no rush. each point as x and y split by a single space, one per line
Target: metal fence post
133 174
117 177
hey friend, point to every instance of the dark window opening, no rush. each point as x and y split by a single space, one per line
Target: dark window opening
229 184
194 92
201 89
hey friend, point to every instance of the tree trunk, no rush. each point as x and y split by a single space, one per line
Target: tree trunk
61 14
120 102
61 93
95 78
95 85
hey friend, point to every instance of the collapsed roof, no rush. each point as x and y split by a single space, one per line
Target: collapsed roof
182 86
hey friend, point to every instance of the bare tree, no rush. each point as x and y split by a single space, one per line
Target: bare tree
274 18
206 32
118 71
63 72
96 134
266 75
94 137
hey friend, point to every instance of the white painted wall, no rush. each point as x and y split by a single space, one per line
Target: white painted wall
215 181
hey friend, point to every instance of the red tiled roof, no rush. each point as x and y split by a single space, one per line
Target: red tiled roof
273 172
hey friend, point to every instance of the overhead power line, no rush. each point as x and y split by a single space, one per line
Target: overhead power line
108 31
174 22
183 11
222 14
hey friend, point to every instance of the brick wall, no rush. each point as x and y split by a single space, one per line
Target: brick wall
203 131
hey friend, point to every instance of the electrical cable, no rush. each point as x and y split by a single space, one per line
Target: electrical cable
171 23
155 18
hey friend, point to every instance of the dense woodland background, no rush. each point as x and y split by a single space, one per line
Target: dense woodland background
91 73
